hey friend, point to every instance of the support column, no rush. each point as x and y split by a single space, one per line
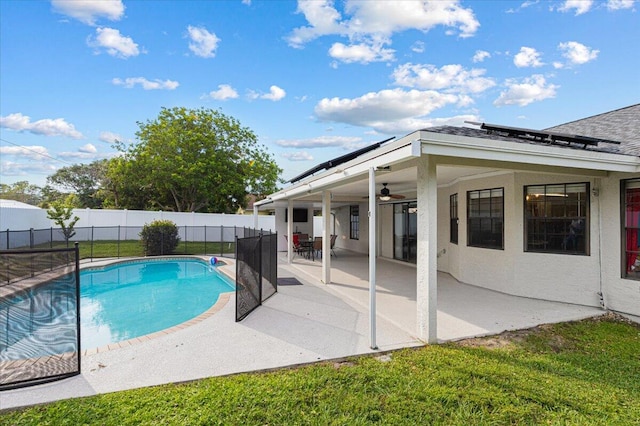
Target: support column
290 231
427 261
372 258
255 217
326 237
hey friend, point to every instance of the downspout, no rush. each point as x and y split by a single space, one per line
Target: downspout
596 194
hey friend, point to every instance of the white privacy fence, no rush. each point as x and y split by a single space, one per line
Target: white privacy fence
15 218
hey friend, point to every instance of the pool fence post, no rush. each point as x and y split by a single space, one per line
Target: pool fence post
78 349
50 238
118 243
205 239
91 256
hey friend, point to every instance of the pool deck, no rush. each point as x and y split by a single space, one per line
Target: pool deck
299 324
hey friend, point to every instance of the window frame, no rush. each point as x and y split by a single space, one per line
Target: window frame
354 222
625 262
454 218
584 220
472 219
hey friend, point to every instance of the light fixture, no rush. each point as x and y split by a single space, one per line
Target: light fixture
385 194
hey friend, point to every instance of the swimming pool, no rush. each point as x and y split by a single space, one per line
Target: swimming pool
117 302
135 298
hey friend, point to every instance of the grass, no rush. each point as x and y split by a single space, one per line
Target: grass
132 248
578 373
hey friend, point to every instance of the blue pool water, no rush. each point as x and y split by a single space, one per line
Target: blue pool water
132 299
117 302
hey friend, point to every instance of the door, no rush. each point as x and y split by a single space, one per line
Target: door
405 231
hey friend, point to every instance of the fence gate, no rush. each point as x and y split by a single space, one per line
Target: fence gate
39 316
256 272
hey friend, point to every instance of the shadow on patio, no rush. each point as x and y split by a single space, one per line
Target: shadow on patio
463 310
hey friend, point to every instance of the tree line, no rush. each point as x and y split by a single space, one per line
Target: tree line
184 160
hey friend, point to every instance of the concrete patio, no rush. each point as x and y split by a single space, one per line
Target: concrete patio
463 310
300 324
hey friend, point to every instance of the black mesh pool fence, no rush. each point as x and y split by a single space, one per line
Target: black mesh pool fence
39 316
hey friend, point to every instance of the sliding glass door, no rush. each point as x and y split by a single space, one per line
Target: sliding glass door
405 231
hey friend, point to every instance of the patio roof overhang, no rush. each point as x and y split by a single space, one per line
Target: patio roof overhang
456 156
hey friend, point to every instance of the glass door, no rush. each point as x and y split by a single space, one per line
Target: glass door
405 231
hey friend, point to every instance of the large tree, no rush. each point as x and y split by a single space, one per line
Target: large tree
192 160
21 191
83 180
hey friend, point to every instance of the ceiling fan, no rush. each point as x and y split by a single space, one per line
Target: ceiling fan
386 195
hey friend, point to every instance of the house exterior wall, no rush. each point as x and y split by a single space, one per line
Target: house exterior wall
302 227
385 219
620 294
557 277
343 240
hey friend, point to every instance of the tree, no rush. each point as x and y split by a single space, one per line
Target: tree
192 160
84 180
21 191
61 213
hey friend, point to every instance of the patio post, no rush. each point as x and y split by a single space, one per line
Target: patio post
326 237
290 231
372 257
427 274
255 217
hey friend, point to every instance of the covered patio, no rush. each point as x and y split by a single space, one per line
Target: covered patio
463 310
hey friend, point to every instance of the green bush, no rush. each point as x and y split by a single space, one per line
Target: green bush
159 237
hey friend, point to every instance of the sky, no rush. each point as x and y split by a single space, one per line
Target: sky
312 79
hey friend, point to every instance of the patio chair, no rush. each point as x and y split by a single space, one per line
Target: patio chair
333 244
297 248
317 246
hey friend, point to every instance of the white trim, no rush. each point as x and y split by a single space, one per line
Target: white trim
527 153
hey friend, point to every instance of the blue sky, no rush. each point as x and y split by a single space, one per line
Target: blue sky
313 79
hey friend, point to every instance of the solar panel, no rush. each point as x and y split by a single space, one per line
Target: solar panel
541 135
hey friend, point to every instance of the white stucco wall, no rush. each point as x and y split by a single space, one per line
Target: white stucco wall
559 277
343 240
620 294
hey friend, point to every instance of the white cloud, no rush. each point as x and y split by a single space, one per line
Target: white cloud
46 126
109 137
372 23
10 168
383 110
526 91
418 47
114 43
347 142
362 53
527 57
275 94
203 43
88 149
480 56
577 53
146 84
297 156
34 152
453 78
580 6
88 11
619 4
223 93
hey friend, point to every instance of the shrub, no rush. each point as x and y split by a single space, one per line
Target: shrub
159 237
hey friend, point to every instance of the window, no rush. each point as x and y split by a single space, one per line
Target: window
485 211
453 218
557 218
631 230
354 219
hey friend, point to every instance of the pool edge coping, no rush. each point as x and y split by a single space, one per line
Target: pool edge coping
222 301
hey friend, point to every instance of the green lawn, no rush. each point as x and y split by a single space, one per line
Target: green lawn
578 373
131 248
